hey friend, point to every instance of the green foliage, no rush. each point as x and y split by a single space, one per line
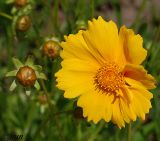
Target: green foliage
51 118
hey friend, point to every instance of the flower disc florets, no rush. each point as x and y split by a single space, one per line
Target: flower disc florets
109 77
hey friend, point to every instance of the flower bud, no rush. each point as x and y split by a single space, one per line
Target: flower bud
26 76
42 99
24 23
51 49
78 113
81 25
20 3
147 119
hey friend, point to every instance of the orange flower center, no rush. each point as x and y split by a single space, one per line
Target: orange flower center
109 77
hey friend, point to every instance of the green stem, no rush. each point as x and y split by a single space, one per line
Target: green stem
46 94
129 132
46 120
139 13
92 8
51 111
6 16
55 18
42 126
94 135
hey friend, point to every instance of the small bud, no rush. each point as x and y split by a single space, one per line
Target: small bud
78 113
81 25
42 99
51 49
26 76
147 119
24 23
21 3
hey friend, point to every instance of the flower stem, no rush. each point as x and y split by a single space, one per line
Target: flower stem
46 120
139 13
129 132
52 108
55 18
95 134
6 16
46 94
92 8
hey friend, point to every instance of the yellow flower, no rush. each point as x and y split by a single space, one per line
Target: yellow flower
101 67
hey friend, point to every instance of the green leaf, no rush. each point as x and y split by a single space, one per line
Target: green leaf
55 39
29 61
9 1
17 63
42 76
138 137
13 86
11 73
37 86
28 92
148 128
37 67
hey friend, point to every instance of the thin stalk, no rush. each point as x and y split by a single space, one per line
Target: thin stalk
46 94
51 111
46 120
55 18
92 8
6 16
94 135
139 13
129 132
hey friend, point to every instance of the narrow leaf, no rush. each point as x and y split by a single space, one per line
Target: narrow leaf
37 86
37 67
13 86
17 63
11 73
42 76
28 93
9 1
29 61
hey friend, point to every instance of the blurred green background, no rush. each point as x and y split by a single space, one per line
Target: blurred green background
59 119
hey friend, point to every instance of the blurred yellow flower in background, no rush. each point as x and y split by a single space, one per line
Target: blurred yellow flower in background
101 67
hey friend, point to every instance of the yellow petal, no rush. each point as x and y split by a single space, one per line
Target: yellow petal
96 106
141 98
133 46
137 85
66 81
127 111
117 116
140 104
127 95
76 47
139 74
78 65
102 37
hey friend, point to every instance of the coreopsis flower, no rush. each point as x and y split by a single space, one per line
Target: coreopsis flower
102 67
26 74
